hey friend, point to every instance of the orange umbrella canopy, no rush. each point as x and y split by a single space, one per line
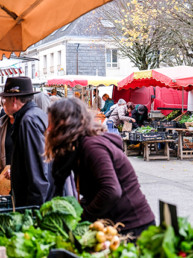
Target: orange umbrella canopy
25 22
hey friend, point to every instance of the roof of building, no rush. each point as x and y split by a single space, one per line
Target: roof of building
90 25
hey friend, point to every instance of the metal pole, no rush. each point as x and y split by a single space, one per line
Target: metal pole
77 58
182 99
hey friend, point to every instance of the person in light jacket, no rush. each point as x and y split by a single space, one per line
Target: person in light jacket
119 113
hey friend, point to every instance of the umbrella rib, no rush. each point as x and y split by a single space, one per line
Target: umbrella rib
17 18
31 7
10 13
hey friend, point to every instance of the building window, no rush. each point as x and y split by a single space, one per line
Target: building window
33 71
45 64
52 59
59 57
111 57
44 61
26 70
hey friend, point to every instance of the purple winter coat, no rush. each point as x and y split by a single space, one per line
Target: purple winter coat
109 184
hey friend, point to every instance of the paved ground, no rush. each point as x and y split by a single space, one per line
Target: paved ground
170 181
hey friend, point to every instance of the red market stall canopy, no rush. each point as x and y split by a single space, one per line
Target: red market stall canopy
62 82
23 23
73 81
179 77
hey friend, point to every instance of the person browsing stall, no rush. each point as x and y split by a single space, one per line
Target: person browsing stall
119 113
107 181
108 103
97 99
31 178
140 114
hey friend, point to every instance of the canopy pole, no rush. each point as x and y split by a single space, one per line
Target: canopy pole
65 90
182 99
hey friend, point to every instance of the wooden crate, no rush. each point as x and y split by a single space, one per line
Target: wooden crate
178 118
189 124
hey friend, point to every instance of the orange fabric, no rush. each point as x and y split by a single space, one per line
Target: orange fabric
25 22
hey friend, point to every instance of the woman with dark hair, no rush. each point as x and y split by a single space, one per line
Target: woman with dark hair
105 178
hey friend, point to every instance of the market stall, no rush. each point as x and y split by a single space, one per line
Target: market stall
84 85
178 78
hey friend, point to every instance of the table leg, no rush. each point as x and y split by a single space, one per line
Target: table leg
125 147
166 150
146 151
180 146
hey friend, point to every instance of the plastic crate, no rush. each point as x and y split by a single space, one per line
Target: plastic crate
151 136
5 202
180 125
164 124
172 135
132 136
168 124
61 253
20 209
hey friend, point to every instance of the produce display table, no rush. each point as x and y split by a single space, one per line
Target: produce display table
100 117
183 153
148 150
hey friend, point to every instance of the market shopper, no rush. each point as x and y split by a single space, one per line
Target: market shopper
31 178
119 113
97 99
104 176
108 103
42 100
6 146
140 114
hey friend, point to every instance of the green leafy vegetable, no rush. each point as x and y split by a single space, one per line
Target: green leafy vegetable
146 129
82 228
88 239
57 212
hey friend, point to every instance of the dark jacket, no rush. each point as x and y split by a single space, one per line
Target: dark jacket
140 119
31 179
109 184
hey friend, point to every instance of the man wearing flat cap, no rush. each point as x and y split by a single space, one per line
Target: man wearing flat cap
31 178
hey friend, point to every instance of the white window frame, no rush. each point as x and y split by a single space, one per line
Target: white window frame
110 63
33 68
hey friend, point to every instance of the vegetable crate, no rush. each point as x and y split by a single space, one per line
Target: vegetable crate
172 135
19 209
151 136
165 124
189 124
181 125
133 136
178 118
5 202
